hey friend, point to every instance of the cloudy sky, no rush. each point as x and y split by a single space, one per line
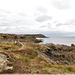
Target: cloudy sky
50 17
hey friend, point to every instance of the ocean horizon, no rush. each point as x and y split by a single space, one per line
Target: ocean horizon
63 40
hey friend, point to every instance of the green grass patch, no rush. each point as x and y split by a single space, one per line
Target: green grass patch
46 72
69 69
63 69
6 51
47 65
15 47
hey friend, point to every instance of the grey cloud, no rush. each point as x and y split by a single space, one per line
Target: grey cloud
43 26
5 11
43 18
4 18
55 21
1 15
42 10
49 25
59 34
10 29
7 28
46 26
5 24
17 21
61 4
59 24
22 14
71 22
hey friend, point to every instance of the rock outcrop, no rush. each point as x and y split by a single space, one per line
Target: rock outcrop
3 62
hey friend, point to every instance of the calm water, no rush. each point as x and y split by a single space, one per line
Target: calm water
59 40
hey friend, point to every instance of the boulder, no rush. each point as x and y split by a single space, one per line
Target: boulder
3 62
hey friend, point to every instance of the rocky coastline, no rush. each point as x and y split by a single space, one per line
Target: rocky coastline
26 54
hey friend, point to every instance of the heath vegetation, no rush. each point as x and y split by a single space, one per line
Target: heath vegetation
29 57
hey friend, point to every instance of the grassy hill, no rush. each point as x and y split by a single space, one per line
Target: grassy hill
33 58
23 35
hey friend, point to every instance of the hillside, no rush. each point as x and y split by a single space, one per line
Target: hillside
29 57
23 35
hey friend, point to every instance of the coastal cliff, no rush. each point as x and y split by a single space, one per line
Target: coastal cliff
30 57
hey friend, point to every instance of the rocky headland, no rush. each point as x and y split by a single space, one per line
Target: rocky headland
23 54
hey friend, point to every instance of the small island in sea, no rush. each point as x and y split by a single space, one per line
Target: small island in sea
22 54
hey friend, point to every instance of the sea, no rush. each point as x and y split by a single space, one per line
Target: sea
58 40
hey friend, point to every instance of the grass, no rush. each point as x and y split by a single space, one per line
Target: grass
62 68
23 64
9 45
24 57
46 72
15 47
47 65
69 69
6 47
27 60
6 51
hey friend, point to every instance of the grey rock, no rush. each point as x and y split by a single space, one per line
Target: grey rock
3 62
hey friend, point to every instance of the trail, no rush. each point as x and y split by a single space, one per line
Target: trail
19 49
23 46
40 54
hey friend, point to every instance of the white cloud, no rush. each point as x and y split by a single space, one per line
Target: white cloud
37 16
61 4
43 18
42 9
68 23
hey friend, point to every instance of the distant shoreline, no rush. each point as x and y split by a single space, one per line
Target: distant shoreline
58 40
18 35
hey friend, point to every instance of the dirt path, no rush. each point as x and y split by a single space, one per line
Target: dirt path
23 46
42 55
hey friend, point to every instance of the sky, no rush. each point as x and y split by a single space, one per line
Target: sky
49 17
